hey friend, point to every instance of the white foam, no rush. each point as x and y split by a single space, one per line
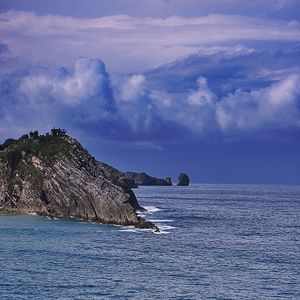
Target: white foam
160 221
151 209
161 232
52 218
31 214
134 229
129 230
164 227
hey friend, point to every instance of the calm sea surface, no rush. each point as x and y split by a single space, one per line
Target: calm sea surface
217 242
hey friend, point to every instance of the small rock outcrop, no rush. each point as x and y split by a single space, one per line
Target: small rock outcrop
168 180
53 175
183 180
135 179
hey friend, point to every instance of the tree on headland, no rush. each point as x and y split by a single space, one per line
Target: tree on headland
24 137
34 134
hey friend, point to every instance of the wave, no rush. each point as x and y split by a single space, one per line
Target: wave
159 221
165 227
134 229
162 232
151 209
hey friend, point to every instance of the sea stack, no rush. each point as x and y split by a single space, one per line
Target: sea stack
183 180
53 175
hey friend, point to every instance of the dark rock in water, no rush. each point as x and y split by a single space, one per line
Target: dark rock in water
168 180
55 176
145 179
183 180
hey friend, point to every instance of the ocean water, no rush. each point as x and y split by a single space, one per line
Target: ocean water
217 242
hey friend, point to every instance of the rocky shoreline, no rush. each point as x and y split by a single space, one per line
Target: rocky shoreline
53 175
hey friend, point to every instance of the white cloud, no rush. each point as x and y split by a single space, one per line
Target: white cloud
203 96
132 88
84 98
226 52
88 82
129 44
272 108
43 99
194 110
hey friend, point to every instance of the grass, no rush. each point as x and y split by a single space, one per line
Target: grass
46 146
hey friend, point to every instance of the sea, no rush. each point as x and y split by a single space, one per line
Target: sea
216 242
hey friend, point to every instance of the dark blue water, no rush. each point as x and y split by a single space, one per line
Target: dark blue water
218 242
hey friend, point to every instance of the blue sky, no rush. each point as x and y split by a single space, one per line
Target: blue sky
211 88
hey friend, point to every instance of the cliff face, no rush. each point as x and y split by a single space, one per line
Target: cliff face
136 179
55 176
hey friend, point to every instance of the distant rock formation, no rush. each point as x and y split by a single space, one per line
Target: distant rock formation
134 179
168 180
183 180
53 175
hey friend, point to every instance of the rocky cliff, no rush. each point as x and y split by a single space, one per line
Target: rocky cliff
53 175
135 179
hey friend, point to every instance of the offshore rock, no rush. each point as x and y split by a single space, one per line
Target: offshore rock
183 180
168 180
53 175
143 179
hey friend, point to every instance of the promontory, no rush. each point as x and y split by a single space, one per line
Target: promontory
53 175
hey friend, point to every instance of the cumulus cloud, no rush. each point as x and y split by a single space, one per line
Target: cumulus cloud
203 112
88 85
197 110
42 97
228 69
203 96
272 108
130 108
132 88
151 110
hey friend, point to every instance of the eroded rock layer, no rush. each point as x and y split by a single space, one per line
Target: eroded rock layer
53 175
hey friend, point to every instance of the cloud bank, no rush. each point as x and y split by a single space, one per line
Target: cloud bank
131 44
205 79
86 98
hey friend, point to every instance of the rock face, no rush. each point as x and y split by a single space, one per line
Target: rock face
55 176
131 183
136 179
183 180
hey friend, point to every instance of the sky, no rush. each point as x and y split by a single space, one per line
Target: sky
211 88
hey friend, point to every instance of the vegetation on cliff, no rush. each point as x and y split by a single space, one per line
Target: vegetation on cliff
54 175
